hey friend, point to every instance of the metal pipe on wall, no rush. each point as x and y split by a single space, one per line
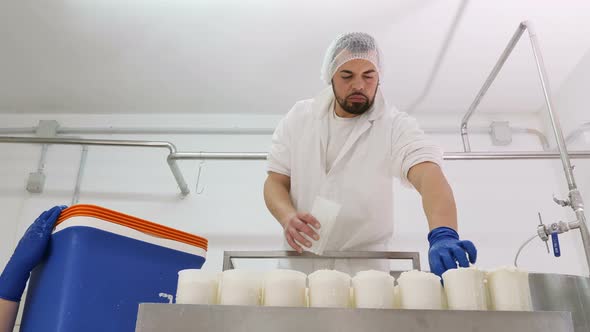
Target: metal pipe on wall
556 126
174 155
524 155
573 136
229 131
42 158
244 131
104 142
83 156
86 141
575 198
538 133
487 130
218 156
487 84
512 155
163 131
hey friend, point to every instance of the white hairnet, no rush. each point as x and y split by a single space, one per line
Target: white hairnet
350 46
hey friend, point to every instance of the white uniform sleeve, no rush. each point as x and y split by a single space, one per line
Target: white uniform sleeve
279 157
410 146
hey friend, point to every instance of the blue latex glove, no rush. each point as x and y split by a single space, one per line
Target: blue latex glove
28 253
446 250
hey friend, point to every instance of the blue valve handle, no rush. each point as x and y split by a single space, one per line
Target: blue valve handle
555 241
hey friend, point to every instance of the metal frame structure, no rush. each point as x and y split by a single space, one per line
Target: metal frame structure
574 197
397 255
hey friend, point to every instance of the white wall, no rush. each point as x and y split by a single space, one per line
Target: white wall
497 200
571 100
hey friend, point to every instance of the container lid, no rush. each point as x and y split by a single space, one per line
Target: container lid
141 225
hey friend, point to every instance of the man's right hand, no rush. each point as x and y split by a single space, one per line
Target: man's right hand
298 224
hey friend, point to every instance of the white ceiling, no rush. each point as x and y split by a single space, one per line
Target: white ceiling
222 56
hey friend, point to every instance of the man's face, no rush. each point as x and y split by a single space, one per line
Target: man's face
355 85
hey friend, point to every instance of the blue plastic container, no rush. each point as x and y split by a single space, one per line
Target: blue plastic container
97 273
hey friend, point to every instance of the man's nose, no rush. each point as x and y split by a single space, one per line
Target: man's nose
358 85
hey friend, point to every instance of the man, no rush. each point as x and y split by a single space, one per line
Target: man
346 146
28 253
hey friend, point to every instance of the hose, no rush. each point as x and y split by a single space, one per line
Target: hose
522 247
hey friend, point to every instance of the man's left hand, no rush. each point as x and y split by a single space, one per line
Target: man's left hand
446 250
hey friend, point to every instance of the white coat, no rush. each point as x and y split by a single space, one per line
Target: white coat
384 144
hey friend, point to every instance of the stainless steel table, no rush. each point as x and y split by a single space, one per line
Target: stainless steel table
187 317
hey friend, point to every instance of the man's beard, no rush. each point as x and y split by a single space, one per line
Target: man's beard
356 108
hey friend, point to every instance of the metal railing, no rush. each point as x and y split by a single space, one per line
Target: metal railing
174 155
105 142
228 256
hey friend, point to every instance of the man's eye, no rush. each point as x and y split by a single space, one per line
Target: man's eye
369 77
346 77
